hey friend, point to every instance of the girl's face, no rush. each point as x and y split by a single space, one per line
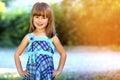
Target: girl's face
40 22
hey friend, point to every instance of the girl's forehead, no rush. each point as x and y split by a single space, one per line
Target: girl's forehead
42 13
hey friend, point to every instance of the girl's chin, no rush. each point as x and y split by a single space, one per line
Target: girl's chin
40 27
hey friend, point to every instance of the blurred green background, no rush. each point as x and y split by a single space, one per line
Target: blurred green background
78 22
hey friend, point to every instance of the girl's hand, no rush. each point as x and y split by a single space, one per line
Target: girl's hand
55 73
24 73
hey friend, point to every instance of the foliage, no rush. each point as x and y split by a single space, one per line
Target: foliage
2 7
9 76
60 24
13 26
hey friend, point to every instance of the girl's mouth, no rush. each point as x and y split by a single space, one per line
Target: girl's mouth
39 24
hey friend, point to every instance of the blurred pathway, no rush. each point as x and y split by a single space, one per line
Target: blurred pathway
78 60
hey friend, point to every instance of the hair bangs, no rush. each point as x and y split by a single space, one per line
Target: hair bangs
40 11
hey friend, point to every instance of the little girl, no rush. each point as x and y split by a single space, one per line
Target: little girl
41 43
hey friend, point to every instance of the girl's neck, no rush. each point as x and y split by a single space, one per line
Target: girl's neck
39 32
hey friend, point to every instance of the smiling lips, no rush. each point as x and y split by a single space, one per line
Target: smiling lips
39 24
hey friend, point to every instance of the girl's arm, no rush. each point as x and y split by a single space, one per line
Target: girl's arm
62 53
18 52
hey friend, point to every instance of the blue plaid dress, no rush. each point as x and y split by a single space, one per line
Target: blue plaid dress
40 58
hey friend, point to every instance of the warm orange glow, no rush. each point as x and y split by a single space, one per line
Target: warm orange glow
97 22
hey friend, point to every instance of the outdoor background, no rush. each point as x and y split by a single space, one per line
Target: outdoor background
86 28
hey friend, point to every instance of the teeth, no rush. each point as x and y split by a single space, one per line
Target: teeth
39 24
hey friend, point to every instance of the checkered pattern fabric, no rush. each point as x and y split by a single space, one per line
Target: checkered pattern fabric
38 45
42 69
43 66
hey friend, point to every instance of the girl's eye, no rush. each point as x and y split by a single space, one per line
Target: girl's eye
40 17
36 17
44 18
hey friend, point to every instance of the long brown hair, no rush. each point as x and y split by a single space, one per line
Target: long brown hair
43 9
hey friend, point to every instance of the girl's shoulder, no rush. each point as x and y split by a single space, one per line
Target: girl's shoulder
55 38
28 33
30 36
27 37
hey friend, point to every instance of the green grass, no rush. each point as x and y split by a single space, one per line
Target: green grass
15 76
10 76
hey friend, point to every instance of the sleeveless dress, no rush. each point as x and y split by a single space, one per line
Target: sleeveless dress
40 58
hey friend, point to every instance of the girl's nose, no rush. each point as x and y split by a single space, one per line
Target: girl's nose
39 19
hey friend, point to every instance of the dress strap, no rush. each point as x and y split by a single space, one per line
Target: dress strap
30 37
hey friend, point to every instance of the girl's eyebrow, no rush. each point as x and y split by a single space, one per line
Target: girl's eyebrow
40 15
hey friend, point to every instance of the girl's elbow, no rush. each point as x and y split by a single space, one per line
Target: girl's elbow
16 55
64 55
